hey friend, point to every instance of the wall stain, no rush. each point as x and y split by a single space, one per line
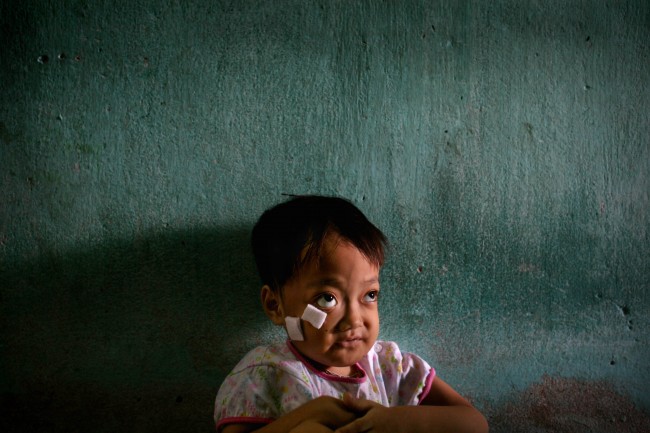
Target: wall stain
567 405
529 130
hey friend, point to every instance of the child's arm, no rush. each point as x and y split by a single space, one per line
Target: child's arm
321 414
443 410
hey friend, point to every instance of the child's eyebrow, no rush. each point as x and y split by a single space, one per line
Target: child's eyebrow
373 280
333 282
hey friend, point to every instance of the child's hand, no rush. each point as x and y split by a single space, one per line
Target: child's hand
320 415
330 412
441 412
374 417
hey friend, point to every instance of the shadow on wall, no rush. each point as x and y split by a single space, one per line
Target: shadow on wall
137 335
132 335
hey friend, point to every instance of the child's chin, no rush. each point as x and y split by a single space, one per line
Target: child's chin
346 356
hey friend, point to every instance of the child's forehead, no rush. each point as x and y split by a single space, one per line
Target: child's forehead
333 254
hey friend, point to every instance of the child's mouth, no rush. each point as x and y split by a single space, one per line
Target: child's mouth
350 342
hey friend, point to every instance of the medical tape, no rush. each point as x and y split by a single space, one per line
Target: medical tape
293 328
314 316
311 314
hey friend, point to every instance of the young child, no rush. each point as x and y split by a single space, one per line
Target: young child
319 260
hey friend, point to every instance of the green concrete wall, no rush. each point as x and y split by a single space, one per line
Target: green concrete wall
502 146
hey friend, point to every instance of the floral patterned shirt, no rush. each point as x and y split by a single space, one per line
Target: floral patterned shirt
273 380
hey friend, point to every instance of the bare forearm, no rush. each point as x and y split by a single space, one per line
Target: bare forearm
282 425
286 425
294 422
419 419
439 419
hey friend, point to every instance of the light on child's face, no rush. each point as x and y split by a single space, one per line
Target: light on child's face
344 286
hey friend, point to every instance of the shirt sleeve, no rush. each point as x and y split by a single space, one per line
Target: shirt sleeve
259 394
417 376
407 377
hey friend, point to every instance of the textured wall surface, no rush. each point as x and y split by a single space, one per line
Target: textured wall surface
502 146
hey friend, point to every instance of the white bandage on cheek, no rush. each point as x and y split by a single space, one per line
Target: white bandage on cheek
293 328
311 314
314 316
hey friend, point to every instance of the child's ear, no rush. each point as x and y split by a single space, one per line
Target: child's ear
272 305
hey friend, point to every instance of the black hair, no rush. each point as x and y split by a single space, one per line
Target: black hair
291 234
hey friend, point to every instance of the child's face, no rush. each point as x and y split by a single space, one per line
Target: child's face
345 285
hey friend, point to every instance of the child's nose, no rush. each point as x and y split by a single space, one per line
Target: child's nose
352 317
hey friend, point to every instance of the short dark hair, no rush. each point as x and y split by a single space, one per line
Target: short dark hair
291 234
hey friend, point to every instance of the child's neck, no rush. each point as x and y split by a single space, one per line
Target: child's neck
349 371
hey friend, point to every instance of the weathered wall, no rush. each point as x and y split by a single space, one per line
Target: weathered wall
502 146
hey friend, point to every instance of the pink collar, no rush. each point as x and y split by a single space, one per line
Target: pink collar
323 374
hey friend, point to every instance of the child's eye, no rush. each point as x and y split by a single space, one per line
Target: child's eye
326 300
371 296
